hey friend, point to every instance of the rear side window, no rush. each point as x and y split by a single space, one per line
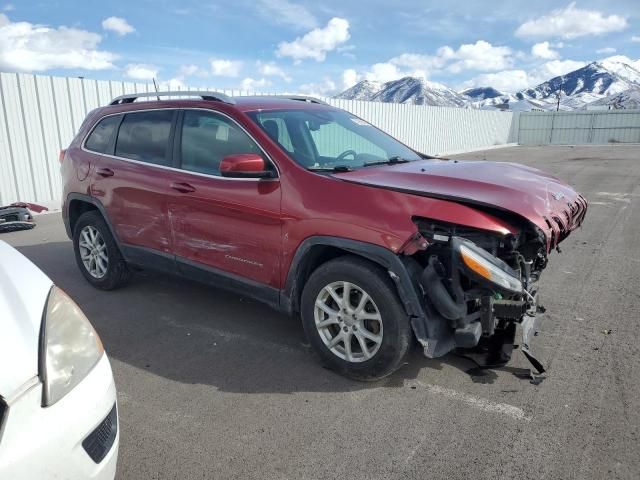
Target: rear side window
144 136
100 138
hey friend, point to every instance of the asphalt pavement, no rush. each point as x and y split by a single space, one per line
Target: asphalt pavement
214 385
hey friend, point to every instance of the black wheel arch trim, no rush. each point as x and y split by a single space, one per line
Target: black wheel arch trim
402 270
96 203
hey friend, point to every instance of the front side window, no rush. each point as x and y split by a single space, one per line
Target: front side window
329 139
99 140
144 136
207 138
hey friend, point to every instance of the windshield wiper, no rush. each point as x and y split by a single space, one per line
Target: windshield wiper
390 161
337 168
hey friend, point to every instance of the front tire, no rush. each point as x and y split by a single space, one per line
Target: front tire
354 320
97 253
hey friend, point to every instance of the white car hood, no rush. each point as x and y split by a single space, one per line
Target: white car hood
23 294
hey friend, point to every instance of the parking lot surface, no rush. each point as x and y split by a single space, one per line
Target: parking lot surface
212 385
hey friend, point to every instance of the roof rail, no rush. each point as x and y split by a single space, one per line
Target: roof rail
212 96
300 98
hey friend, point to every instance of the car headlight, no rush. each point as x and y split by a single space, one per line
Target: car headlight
485 265
69 348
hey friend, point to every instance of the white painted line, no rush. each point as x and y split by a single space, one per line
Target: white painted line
476 402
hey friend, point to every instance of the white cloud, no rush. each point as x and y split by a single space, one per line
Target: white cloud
346 48
29 47
270 69
553 69
321 89
9 7
572 22
118 25
481 56
419 65
505 81
191 71
515 80
477 56
543 50
349 78
288 13
251 85
226 68
176 83
141 71
606 50
316 43
635 39
388 71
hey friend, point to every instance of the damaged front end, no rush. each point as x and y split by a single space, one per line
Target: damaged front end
477 286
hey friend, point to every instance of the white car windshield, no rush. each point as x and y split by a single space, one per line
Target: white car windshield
331 139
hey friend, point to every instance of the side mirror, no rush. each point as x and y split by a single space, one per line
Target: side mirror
245 165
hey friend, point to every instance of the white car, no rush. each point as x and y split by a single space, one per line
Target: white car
58 412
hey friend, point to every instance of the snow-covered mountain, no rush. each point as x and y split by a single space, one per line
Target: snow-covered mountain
627 99
614 81
482 93
594 79
412 90
577 89
363 90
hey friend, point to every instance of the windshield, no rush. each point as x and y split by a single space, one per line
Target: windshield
331 139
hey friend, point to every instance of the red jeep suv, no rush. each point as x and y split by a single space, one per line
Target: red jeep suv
317 213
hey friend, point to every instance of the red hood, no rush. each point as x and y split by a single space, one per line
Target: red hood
544 200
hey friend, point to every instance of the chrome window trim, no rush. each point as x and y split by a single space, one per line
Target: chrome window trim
174 169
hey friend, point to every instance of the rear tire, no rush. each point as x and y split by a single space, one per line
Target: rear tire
364 335
97 253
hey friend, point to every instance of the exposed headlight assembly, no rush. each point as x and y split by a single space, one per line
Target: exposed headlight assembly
69 347
483 264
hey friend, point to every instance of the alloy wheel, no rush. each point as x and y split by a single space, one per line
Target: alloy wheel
348 321
93 252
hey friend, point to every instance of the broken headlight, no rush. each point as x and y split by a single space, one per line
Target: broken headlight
481 263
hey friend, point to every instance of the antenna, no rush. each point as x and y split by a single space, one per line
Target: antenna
155 85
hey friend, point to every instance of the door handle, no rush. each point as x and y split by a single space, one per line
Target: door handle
183 187
105 172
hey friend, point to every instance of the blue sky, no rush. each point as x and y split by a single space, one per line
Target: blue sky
315 47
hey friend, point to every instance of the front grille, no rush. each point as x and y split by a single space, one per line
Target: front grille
100 441
567 219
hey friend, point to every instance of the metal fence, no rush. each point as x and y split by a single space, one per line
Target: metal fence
39 115
574 128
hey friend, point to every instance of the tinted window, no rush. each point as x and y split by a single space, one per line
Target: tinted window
100 138
207 138
144 136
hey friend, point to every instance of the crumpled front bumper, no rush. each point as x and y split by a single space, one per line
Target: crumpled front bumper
531 325
486 334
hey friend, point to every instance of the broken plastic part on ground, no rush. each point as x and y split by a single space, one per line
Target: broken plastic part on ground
17 216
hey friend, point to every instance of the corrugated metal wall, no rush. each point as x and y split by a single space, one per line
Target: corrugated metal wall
39 115
435 130
575 128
